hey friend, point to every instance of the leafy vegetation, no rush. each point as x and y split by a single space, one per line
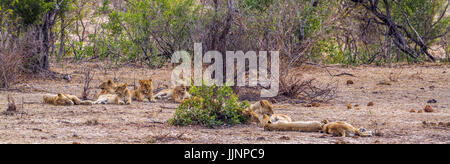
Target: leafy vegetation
210 106
148 32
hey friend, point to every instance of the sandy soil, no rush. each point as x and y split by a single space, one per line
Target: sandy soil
410 88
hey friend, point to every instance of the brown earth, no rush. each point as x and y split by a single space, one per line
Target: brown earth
395 91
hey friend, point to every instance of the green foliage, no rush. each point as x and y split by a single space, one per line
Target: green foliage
29 11
147 29
210 106
260 5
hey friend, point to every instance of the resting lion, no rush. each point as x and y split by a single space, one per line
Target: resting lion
64 100
144 91
107 87
261 107
122 96
299 126
176 93
342 129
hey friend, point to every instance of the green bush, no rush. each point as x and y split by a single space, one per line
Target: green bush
210 106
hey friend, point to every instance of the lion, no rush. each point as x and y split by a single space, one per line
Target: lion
262 107
252 117
145 90
299 126
122 96
107 87
177 93
342 129
275 118
64 100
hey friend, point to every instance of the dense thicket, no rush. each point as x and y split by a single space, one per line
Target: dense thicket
149 31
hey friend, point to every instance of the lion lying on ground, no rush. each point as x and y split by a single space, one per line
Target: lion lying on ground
176 93
107 87
256 111
122 96
261 107
299 126
343 129
64 100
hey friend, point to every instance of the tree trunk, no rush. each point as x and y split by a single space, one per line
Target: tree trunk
46 26
62 50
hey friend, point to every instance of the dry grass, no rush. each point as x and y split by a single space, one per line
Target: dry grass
144 122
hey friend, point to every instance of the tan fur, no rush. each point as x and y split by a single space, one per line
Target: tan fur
107 87
342 129
122 96
145 90
280 117
252 117
64 100
177 93
299 126
274 118
262 107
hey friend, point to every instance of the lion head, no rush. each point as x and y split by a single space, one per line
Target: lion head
145 86
122 90
252 117
267 108
182 91
59 99
107 85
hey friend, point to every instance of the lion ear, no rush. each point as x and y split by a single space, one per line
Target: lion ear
141 82
60 95
110 82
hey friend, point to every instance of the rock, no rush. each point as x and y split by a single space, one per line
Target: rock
428 109
273 101
260 139
384 83
285 138
67 77
370 104
420 111
350 82
316 105
432 87
349 106
432 101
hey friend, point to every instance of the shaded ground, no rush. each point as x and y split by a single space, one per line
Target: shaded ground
404 88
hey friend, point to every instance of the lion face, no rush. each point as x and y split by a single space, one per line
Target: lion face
252 117
266 120
267 108
107 85
145 86
122 90
182 91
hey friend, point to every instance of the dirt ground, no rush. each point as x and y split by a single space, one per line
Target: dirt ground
394 90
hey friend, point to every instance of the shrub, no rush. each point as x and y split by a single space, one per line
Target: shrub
210 106
10 68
